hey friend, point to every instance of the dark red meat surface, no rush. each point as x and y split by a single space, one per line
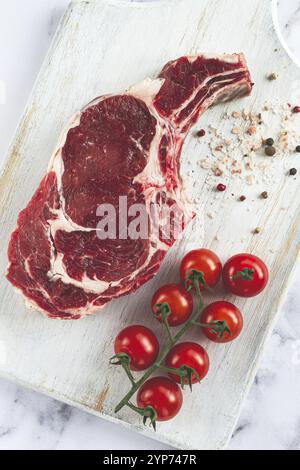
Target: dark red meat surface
126 145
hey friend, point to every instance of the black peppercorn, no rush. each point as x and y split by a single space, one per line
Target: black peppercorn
270 141
270 151
293 171
298 148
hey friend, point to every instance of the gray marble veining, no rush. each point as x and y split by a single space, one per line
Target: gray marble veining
289 14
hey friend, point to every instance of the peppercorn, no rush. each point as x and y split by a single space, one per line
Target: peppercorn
293 171
298 148
270 142
296 109
221 187
264 195
273 76
201 133
257 230
270 151
242 198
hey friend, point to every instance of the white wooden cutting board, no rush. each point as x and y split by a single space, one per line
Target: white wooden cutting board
103 47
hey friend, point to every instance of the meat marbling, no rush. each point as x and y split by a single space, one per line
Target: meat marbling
122 145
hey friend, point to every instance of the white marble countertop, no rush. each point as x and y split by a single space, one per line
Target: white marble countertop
271 414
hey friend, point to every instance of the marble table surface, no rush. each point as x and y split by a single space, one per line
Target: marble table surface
271 415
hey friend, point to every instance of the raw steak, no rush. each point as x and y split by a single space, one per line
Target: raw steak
122 145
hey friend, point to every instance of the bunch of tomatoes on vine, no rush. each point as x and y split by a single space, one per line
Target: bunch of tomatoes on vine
160 398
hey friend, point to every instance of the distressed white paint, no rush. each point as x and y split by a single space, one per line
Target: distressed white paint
106 46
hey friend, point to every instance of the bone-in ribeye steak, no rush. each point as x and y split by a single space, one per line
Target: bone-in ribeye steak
123 145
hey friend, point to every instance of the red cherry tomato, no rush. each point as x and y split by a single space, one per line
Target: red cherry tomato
163 395
203 261
222 311
140 344
245 275
189 354
180 302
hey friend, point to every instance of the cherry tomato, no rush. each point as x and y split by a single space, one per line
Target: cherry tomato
179 300
140 344
245 275
205 262
222 311
163 395
189 354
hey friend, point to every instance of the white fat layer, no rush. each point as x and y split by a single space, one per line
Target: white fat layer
81 312
146 90
230 58
196 91
212 98
58 270
152 173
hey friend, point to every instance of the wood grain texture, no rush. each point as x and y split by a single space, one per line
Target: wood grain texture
103 47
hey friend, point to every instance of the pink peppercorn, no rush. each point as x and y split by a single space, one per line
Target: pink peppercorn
221 187
296 109
201 133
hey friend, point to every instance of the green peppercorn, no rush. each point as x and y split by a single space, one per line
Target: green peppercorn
270 151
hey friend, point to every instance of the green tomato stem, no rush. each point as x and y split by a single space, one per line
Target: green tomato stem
128 373
247 274
219 327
